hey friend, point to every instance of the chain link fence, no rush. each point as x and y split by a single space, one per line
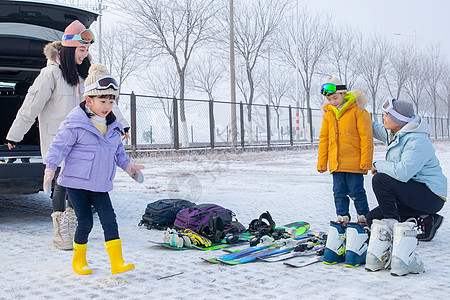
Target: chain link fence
159 123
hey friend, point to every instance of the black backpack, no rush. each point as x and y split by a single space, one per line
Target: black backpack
161 213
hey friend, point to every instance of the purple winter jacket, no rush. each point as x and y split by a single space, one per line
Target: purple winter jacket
88 158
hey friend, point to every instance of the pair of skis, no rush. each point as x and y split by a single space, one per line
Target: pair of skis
296 230
308 257
273 251
280 248
316 250
304 262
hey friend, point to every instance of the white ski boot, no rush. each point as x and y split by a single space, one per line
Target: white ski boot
380 245
335 246
356 245
404 259
175 239
167 234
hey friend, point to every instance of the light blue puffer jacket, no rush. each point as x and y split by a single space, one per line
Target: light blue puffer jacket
411 155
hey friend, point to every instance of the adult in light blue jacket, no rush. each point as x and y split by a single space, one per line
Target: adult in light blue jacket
410 182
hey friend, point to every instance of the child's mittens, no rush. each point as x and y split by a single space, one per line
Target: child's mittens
49 173
134 171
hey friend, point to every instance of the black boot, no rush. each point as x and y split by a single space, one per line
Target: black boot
428 226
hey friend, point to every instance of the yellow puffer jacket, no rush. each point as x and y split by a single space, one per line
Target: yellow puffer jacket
346 139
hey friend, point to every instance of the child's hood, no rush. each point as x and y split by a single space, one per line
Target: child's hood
78 118
359 97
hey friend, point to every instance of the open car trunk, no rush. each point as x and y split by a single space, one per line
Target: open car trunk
25 28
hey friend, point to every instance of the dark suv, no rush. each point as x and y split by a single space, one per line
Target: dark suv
25 28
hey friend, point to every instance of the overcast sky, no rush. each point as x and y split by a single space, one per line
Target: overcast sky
429 20
426 22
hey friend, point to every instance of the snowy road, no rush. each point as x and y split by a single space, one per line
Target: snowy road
284 183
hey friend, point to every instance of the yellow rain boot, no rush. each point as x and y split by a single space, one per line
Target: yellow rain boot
79 263
114 248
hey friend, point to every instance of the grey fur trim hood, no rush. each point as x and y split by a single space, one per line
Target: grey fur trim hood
51 51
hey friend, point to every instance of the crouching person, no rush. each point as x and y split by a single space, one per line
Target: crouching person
410 189
89 144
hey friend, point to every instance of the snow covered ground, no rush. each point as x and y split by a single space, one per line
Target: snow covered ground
283 182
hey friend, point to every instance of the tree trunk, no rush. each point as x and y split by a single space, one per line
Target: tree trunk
308 105
171 130
184 129
304 125
374 116
435 120
249 126
278 124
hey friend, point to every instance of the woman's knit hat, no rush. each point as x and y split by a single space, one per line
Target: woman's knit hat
96 72
404 108
74 28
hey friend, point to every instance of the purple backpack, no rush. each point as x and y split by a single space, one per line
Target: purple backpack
209 220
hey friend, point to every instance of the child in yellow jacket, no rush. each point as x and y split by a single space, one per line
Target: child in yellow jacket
346 143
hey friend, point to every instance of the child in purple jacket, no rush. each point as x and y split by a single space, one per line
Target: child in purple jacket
89 146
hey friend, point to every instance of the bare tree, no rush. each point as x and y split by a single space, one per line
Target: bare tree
175 28
310 46
254 23
372 63
342 56
164 83
276 90
122 54
242 83
434 74
414 84
445 94
400 65
206 75
279 92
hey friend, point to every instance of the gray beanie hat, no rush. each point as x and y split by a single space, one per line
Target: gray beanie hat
404 108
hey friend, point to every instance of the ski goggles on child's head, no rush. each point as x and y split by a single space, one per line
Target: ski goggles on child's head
85 37
103 84
388 108
330 88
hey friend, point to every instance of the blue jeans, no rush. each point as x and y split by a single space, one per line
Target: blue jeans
351 185
82 201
